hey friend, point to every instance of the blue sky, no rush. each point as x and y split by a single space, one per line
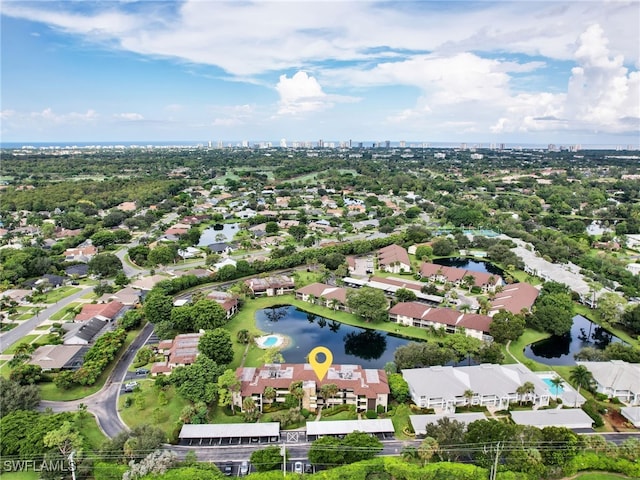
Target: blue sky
476 72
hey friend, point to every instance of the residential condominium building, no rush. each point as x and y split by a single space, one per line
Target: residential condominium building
325 295
365 388
418 314
181 351
394 259
616 379
271 286
457 276
443 388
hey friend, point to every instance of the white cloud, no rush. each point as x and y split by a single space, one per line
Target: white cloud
299 94
131 117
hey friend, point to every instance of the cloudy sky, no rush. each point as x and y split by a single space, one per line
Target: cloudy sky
430 71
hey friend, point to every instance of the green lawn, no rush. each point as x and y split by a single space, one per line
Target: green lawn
517 349
598 476
25 339
164 417
49 391
346 415
58 294
5 370
67 313
91 432
20 475
400 419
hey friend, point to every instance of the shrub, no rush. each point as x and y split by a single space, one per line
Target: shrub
371 414
380 409
305 413
590 407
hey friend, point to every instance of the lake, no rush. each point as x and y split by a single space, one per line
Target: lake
220 232
349 345
466 264
560 350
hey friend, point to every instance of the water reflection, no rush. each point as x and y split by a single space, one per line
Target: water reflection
349 345
560 350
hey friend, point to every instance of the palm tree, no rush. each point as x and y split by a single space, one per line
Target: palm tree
525 389
468 395
297 391
582 377
269 394
557 383
427 449
328 391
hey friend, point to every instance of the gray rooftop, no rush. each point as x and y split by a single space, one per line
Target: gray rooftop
615 374
343 427
230 430
557 417
486 379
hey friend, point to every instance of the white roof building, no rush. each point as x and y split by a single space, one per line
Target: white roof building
616 378
444 387
572 418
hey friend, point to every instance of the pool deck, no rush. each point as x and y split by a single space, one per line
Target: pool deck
566 393
265 341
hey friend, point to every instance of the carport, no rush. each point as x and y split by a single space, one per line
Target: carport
229 434
382 428
420 422
572 418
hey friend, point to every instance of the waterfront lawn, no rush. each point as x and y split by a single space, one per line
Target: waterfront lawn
48 390
517 349
161 416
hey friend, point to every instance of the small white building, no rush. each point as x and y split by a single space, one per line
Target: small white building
616 378
572 418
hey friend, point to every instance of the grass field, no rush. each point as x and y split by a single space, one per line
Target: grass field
161 416
25 339
517 349
597 476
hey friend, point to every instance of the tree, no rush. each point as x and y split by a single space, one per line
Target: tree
564 438
631 318
368 344
269 393
487 432
424 252
328 391
468 395
216 344
228 384
427 449
14 396
297 391
155 463
326 451
557 382
448 433
582 377
272 355
405 295
422 354
105 265
360 446
527 388
162 255
26 374
506 326
553 313
443 247
157 306
208 314
368 303
298 232
611 307
65 439
243 336
267 459
399 387
198 381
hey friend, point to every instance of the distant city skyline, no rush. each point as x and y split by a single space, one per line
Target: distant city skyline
513 73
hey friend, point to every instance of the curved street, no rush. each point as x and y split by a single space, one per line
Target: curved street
104 403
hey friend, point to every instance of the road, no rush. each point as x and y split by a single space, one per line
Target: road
104 403
25 327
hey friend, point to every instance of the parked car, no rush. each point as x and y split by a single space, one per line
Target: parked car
142 371
308 468
297 467
227 470
244 468
130 386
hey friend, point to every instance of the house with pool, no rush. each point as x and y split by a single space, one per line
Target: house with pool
365 388
444 388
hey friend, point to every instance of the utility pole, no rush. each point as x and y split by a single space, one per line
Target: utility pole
494 469
283 452
72 465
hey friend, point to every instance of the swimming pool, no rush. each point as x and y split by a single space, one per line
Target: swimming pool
270 341
552 387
